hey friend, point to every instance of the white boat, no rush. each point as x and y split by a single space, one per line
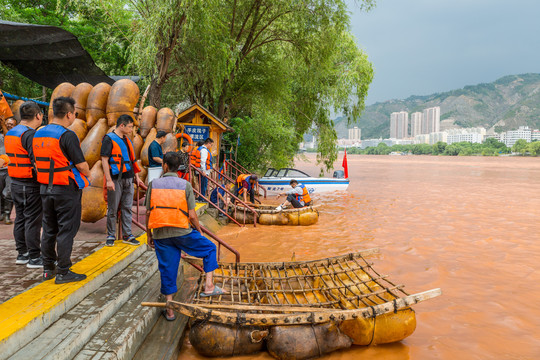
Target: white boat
278 181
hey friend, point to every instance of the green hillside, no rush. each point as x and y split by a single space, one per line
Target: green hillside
507 103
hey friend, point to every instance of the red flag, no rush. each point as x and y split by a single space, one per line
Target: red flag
344 165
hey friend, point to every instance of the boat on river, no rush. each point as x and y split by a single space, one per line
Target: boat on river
278 181
299 309
268 215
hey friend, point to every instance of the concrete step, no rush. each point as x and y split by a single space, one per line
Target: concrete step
27 315
67 336
121 336
166 337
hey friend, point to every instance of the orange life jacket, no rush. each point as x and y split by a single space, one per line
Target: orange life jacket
305 194
53 168
20 165
168 203
240 183
196 158
5 110
122 156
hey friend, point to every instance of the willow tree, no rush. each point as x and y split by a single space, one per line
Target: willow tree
280 66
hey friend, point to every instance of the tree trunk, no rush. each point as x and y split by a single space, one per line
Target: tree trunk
154 94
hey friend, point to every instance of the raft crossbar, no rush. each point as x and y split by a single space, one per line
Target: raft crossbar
314 317
355 255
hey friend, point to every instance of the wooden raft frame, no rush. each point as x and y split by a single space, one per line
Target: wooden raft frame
339 288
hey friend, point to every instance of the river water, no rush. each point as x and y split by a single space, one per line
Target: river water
467 225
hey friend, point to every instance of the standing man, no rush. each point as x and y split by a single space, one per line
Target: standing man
245 184
170 208
5 181
7 122
155 156
24 186
206 163
62 172
119 168
155 152
298 196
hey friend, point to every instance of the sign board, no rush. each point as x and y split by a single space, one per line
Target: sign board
197 132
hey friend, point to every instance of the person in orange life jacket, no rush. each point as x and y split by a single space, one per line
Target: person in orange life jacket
6 203
205 163
170 208
24 186
119 168
62 172
195 160
246 184
298 196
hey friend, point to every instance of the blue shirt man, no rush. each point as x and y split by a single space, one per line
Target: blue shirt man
155 152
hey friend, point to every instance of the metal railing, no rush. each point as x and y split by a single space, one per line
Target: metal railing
220 244
207 232
200 175
238 170
137 212
237 164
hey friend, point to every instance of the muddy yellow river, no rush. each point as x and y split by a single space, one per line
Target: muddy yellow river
469 225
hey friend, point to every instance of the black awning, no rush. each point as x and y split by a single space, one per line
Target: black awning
47 55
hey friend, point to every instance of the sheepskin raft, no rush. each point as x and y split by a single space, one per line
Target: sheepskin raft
268 215
300 309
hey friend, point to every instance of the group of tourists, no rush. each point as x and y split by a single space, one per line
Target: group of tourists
48 171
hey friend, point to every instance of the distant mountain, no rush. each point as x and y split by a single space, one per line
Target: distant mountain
504 104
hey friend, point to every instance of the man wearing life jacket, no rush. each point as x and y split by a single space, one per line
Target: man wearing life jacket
246 184
6 203
170 208
298 196
119 168
62 172
196 154
24 186
203 160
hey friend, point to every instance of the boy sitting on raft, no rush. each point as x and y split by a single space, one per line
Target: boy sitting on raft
170 208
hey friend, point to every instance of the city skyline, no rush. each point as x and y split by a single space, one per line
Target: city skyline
426 122
440 53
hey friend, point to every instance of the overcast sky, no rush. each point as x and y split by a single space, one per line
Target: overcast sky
419 47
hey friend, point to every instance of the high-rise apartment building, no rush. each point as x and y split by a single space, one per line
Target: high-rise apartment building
431 121
523 132
355 133
399 124
416 124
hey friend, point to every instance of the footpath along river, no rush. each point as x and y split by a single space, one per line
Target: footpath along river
469 225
